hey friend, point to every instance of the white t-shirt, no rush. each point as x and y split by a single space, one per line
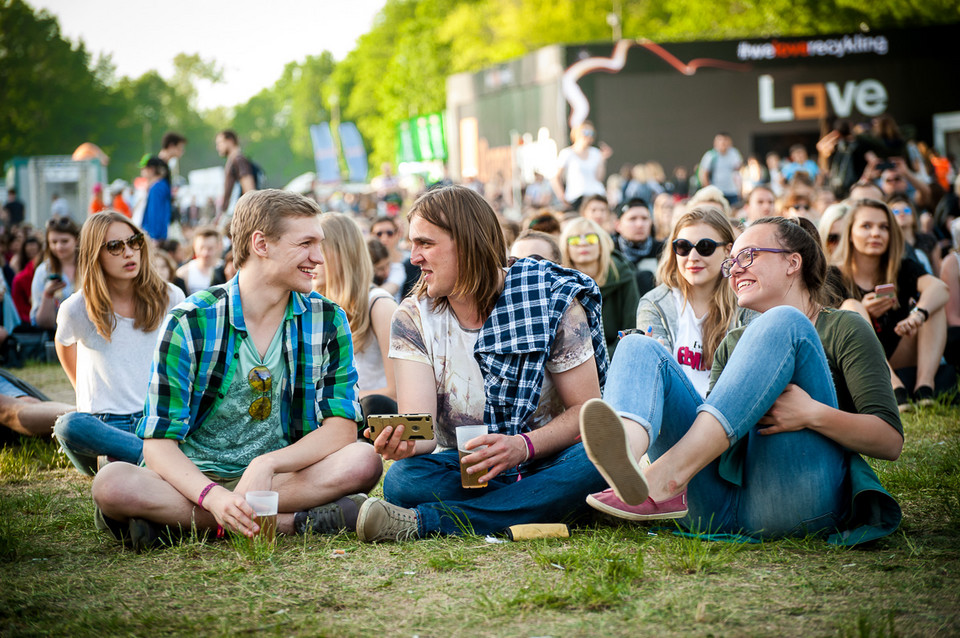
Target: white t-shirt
437 339
688 345
580 175
369 361
112 376
196 279
397 277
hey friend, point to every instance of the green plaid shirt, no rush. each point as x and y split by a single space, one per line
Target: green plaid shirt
197 355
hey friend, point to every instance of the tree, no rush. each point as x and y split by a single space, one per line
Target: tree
50 100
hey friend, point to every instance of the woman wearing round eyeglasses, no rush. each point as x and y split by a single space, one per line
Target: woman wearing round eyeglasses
588 248
106 336
904 303
774 449
54 278
692 310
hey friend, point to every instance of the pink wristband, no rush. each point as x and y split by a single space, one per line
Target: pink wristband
530 451
206 491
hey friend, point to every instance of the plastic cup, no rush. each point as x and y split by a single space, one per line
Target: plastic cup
467 433
265 504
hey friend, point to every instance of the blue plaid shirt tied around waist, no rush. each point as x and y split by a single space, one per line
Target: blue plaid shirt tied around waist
515 341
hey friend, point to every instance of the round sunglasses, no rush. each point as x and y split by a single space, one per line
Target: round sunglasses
115 246
705 247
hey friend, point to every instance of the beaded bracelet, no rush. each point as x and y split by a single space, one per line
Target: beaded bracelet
206 491
530 451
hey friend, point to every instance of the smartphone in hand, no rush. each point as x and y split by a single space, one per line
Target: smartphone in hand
886 290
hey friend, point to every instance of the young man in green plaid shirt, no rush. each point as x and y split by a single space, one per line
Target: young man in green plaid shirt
253 388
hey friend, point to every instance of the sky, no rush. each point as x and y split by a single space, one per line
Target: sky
251 40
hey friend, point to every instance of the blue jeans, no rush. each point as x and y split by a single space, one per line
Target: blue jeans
552 490
792 482
84 436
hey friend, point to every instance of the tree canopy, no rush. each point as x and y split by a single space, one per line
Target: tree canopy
53 96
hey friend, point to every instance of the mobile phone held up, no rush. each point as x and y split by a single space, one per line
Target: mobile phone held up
418 427
886 290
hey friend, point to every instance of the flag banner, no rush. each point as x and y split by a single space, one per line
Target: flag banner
353 151
324 153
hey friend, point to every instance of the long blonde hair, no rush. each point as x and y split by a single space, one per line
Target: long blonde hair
150 292
846 253
723 305
348 273
584 226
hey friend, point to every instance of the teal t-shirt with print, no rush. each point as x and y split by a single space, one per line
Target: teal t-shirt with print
230 438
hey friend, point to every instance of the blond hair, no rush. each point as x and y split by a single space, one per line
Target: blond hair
584 226
267 211
723 305
889 262
348 273
150 292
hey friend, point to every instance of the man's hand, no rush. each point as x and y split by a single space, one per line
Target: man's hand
231 511
502 452
390 444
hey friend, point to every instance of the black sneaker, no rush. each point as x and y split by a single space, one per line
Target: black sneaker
923 396
145 534
903 399
120 531
324 519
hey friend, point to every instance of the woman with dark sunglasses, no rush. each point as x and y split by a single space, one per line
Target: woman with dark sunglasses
106 336
774 449
692 309
586 247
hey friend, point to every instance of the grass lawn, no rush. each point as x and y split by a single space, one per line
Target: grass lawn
61 577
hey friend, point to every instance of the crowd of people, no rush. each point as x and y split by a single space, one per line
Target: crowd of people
647 348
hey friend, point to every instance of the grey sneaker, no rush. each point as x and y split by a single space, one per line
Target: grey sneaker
381 521
325 519
605 442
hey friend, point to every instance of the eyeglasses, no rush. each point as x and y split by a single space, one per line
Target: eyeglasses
906 210
705 247
744 259
260 381
589 238
388 233
833 238
800 206
115 246
588 132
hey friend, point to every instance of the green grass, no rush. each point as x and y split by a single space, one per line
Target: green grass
61 577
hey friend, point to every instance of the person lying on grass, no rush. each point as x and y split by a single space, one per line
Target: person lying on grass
253 387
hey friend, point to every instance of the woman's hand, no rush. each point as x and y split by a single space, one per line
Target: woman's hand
909 326
390 444
878 306
790 412
502 452
53 286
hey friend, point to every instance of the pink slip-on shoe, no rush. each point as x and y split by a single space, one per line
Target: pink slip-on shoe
608 448
608 503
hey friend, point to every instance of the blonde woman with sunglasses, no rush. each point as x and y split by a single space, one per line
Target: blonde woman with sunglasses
586 247
106 335
692 309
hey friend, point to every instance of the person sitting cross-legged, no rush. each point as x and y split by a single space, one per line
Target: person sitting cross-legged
516 348
253 387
